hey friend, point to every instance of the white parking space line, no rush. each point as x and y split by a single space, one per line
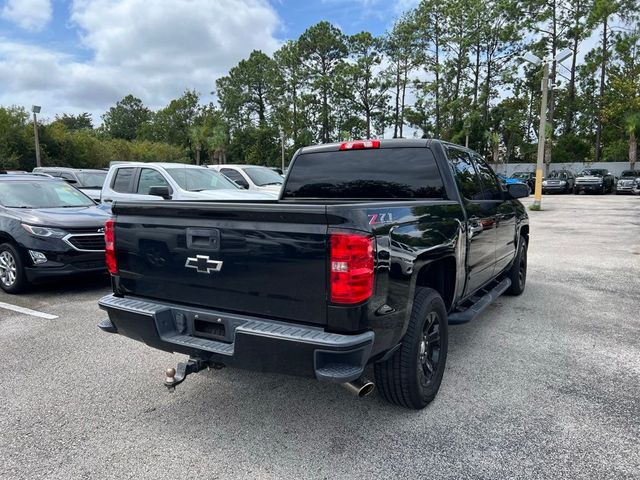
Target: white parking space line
27 311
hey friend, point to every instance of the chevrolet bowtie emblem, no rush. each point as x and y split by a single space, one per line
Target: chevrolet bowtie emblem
203 264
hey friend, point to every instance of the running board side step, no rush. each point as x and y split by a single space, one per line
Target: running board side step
480 305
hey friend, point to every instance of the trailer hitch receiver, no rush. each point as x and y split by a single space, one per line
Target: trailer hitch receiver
175 376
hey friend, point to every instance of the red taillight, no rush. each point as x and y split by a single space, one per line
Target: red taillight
109 246
360 145
351 265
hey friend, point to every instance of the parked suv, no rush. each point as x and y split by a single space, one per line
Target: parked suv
177 181
558 181
526 177
596 180
90 181
626 181
252 177
372 249
47 229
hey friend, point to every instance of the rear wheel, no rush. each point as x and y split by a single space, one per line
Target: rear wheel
518 271
12 276
411 378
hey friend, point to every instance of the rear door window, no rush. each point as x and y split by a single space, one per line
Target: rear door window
465 174
490 184
122 180
235 176
402 173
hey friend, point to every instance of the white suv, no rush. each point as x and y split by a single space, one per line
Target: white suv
134 180
252 177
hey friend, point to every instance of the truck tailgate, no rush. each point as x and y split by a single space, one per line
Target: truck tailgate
266 259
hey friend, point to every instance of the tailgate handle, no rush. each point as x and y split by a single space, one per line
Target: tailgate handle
203 238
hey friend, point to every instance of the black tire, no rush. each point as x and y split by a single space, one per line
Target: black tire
576 191
12 276
411 378
518 271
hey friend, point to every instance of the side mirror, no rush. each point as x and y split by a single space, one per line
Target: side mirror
160 191
518 190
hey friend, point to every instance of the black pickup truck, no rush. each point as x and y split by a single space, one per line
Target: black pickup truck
372 249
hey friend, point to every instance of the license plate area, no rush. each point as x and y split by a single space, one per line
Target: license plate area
204 325
208 326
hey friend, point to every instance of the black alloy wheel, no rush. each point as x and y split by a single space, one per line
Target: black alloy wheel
412 376
429 350
518 271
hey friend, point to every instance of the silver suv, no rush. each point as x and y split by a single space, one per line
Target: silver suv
177 181
88 180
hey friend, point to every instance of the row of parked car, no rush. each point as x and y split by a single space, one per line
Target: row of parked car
590 180
52 219
134 181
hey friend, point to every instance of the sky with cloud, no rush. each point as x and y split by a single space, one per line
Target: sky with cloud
83 55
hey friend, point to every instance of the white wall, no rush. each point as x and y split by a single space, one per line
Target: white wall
614 167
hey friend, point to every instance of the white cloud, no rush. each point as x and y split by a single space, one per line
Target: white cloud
404 5
28 14
153 49
384 11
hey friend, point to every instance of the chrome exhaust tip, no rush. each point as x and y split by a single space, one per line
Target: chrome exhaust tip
360 387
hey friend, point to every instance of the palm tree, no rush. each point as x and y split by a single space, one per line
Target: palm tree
198 137
216 144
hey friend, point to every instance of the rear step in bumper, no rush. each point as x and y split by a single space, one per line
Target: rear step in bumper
107 326
240 341
483 302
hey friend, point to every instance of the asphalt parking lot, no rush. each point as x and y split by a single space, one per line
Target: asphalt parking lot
546 385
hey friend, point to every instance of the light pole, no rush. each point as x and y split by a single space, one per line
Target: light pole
36 109
282 143
531 58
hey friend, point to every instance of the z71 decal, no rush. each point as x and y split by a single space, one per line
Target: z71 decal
379 218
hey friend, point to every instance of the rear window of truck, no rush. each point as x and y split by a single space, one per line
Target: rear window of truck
366 174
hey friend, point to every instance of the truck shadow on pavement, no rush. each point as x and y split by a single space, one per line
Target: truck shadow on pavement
251 410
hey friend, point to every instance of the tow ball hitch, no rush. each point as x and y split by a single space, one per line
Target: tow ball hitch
175 376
